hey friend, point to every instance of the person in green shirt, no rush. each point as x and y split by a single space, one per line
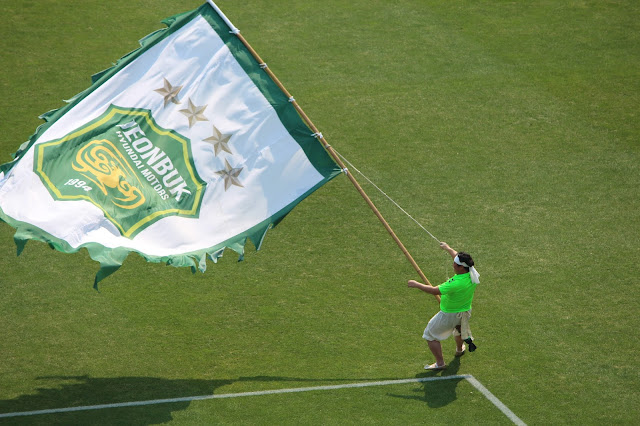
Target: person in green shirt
456 296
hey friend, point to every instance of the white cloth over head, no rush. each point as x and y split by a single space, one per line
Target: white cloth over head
473 273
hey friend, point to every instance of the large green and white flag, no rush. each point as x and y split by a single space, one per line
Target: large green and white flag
182 149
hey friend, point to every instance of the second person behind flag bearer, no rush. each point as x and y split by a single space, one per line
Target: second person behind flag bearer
455 307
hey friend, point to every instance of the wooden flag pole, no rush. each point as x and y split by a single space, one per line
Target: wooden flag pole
326 145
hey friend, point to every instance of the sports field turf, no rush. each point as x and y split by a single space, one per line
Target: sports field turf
508 129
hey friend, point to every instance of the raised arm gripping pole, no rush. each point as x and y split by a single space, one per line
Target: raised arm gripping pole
326 145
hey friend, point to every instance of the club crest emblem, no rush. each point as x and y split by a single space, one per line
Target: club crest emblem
125 164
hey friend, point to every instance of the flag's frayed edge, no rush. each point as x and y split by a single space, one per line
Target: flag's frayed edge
111 259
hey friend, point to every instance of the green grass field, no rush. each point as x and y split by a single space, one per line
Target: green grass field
508 129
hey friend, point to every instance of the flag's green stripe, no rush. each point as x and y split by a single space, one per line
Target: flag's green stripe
287 113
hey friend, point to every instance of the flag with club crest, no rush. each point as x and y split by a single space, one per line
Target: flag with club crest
183 148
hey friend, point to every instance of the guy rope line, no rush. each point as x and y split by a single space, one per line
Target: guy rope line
389 198
324 143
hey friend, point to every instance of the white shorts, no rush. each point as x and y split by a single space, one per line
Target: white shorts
442 325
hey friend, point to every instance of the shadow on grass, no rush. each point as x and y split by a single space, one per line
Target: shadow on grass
83 391
437 393
80 391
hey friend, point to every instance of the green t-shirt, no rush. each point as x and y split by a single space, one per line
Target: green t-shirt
457 293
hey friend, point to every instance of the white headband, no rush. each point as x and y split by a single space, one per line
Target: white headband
475 276
459 262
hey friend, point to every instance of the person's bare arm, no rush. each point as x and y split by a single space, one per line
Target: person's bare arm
426 288
444 246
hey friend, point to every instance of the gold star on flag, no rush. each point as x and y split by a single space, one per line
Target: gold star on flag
194 113
219 141
169 92
230 175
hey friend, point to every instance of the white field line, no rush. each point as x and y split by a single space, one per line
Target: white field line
468 377
491 397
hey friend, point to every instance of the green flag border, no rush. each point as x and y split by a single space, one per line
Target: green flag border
111 259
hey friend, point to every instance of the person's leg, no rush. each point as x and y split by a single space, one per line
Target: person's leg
436 350
440 327
459 341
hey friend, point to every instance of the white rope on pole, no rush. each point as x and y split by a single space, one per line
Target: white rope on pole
384 193
234 30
